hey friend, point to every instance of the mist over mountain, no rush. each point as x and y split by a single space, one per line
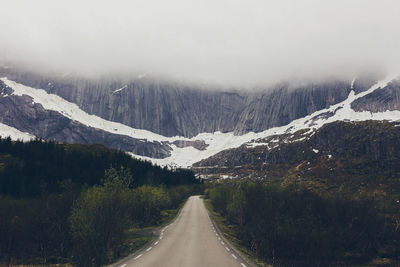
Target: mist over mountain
242 44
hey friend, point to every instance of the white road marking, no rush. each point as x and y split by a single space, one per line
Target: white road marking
222 243
219 238
149 249
233 255
155 244
243 264
160 237
227 249
138 256
123 265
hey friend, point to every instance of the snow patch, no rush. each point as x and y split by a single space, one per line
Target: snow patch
15 134
352 82
120 89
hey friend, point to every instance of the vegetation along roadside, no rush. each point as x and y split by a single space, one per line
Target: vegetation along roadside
82 205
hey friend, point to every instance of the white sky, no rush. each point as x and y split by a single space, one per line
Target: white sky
228 42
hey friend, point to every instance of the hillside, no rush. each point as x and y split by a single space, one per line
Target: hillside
353 157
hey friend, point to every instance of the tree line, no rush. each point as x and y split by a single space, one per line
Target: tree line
29 169
292 226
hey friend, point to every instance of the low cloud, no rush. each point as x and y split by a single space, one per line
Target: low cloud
242 43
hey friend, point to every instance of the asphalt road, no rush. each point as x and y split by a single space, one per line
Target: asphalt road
190 241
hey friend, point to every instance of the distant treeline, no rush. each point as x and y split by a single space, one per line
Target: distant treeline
65 204
37 167
291 226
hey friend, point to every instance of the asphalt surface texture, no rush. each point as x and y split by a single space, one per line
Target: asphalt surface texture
190 241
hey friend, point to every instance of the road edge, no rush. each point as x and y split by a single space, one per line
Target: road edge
156 235
245 259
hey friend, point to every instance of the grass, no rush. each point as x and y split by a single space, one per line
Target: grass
136 239
140 237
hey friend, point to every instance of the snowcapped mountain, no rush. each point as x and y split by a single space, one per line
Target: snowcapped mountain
175 125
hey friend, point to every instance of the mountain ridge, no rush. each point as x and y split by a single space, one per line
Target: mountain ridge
50 116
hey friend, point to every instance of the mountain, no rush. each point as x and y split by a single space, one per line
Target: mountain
173 123
178 109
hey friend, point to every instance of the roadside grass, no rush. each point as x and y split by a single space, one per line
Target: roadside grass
137 237
230 233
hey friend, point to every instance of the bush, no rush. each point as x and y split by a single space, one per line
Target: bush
147 203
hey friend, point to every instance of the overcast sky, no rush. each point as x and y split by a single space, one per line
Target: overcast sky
229 42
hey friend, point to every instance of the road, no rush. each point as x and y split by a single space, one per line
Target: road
190 241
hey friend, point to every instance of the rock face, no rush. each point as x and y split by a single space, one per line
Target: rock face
380 100
22 113
172 109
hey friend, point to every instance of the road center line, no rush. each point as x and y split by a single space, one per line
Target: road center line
138 256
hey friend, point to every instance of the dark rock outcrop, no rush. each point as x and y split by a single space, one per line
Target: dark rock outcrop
380 100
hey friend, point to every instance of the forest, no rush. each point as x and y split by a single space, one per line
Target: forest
76 204
294 226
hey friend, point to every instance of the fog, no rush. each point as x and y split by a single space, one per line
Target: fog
241 43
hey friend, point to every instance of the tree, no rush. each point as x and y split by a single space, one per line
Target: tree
148 201
100 219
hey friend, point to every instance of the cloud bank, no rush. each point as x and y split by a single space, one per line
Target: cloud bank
227 42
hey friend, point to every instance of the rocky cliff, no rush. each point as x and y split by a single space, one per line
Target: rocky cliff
380 100
22 113
172 109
